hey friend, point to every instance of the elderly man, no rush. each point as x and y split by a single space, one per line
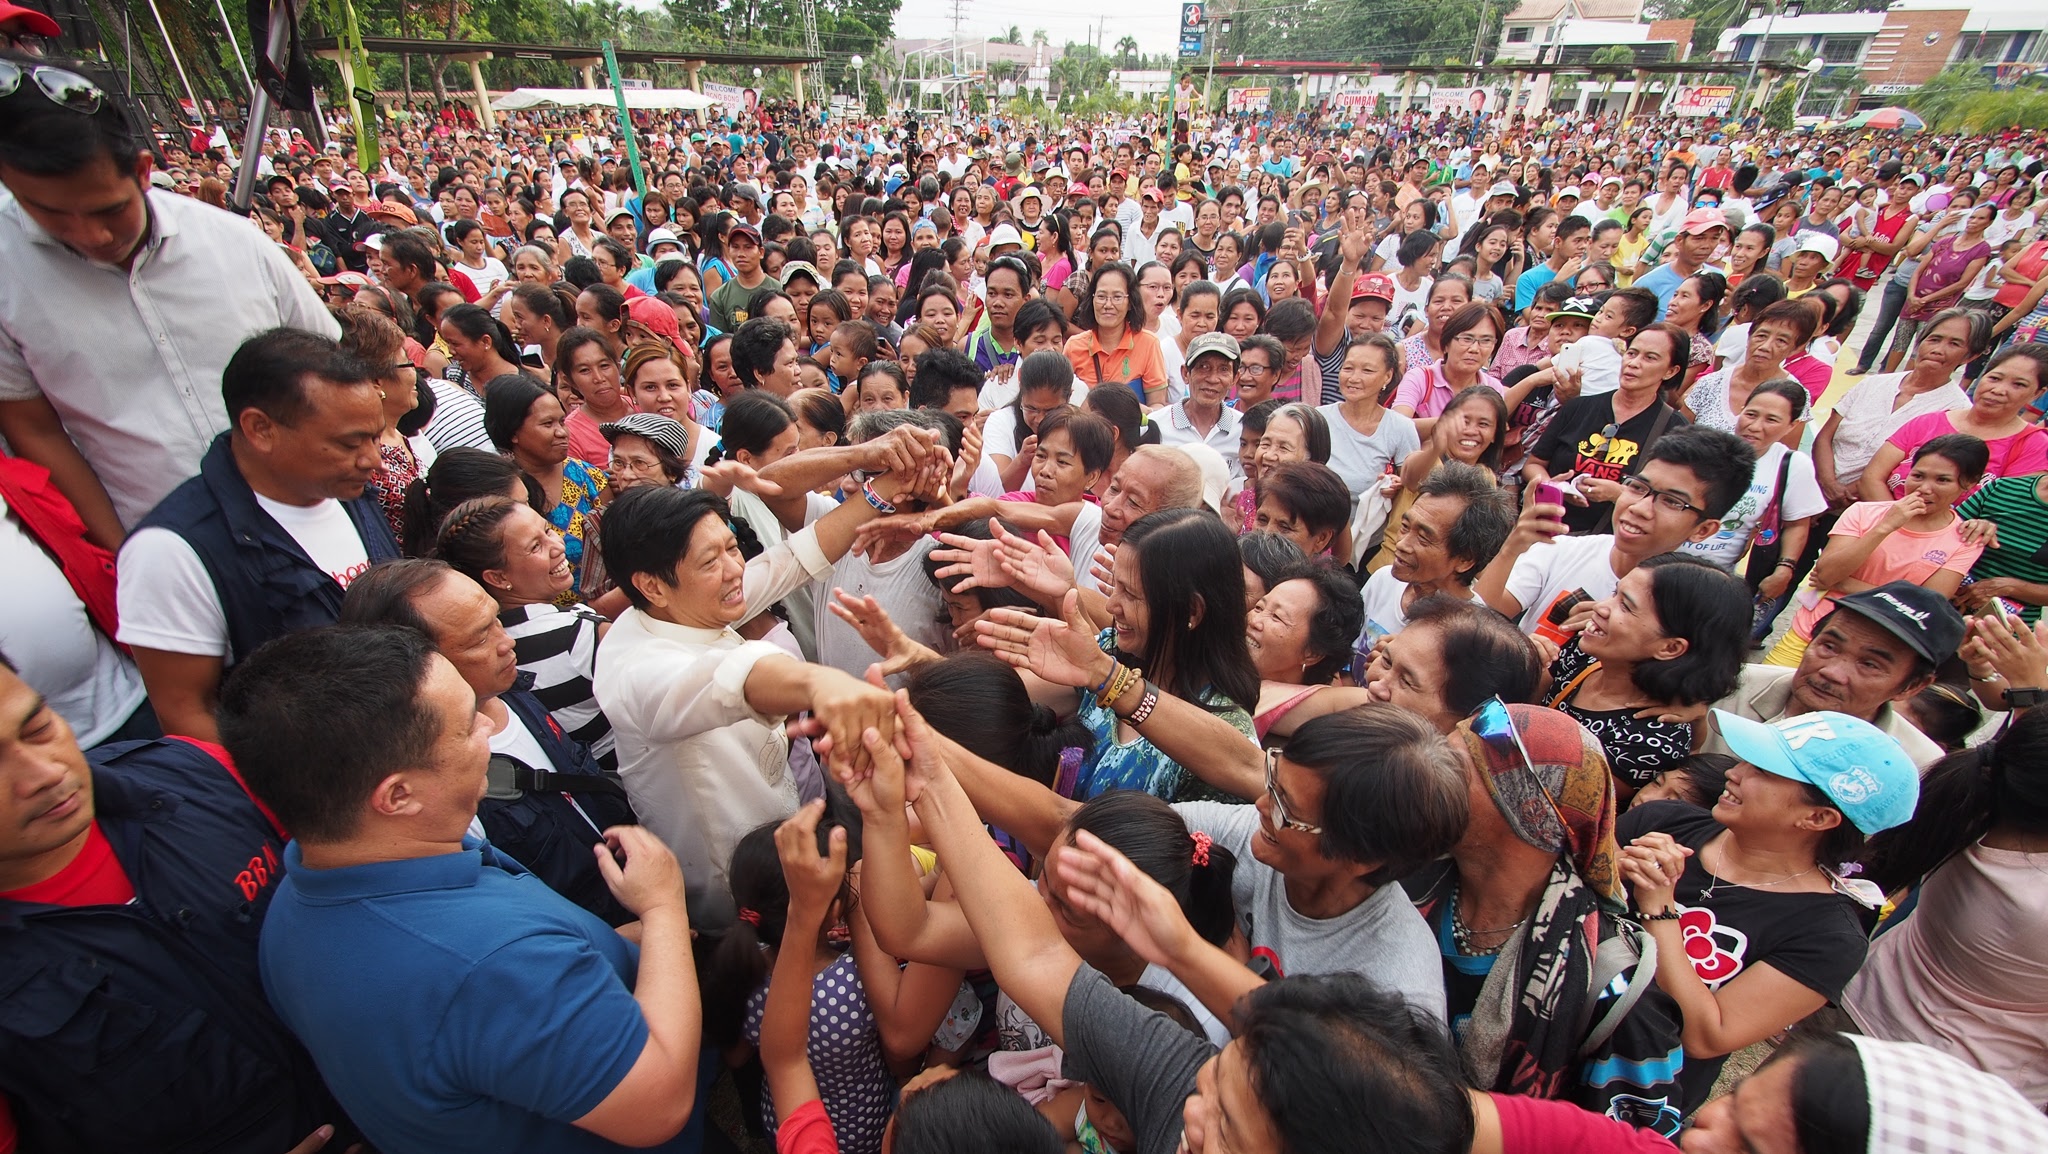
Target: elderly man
1203 418
119 304
1878 646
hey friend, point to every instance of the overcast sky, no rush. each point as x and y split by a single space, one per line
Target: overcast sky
1152 22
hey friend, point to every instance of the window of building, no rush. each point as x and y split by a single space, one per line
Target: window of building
1519 35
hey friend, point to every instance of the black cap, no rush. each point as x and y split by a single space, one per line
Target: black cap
1890 170
1919 617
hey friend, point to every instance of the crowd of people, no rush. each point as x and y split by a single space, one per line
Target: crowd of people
1405 633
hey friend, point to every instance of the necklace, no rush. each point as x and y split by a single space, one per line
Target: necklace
1719 881
1462 935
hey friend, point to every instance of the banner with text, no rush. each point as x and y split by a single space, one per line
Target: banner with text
733 97
1243 101
1700 100
1458 101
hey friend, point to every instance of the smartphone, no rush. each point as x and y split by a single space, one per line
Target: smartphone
1549 494
1994 609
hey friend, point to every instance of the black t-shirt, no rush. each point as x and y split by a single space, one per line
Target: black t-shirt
1817 940
1638 749
1582 440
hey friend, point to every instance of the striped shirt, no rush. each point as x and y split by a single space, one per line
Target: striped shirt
2014 504
458 420
559 647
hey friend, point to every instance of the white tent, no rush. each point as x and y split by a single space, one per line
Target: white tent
681 99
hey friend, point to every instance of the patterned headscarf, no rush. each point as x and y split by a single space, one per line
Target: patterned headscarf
1923 1101
1569 769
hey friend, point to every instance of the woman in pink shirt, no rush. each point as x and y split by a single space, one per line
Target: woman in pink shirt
1469 338
2000 415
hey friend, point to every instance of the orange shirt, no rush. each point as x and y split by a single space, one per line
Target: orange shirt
1137 355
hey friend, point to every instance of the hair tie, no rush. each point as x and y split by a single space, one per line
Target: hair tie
751 917
1202 843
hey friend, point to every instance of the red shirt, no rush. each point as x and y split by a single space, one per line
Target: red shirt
94 878
1542 1126
806 1131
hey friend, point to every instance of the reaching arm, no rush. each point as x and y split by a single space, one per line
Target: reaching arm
1032 962
786 1016
901 451
34 432
909 1001
1064 653
1105 885
654 1100
1538 523
903 920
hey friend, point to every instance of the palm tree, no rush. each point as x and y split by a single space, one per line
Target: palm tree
1612 54
1013 36
1127 48
1039 38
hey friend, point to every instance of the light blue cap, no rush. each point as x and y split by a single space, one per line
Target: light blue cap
1860 768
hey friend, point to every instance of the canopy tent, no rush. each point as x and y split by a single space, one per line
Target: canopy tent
672 99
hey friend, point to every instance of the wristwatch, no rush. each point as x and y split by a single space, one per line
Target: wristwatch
2027 698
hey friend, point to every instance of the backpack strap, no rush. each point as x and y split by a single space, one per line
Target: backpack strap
1611 963
548 781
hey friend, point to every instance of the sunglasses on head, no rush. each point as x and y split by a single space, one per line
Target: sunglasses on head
1494 725
61 86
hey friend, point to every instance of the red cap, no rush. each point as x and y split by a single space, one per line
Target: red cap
17 19
1376 285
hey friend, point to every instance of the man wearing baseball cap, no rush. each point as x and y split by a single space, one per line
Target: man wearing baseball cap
1202 418
1878 646
729 305
1702 232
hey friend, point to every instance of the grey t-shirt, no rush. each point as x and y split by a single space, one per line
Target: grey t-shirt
1360 459
1383 939
1141 1059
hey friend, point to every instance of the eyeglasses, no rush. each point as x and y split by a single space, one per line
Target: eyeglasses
1111 298
61 86
1639 488
1494 725
1472 340
1280 817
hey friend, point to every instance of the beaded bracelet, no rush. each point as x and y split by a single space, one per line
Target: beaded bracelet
1125 678
1114 665
1670 915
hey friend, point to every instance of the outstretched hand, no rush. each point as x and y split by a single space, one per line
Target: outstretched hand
725 476
814 879
1062 651
1106 886
895 647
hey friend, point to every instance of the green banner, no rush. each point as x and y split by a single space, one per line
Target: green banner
611 70
356 73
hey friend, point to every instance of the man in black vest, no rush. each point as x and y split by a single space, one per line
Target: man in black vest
132 886
267 537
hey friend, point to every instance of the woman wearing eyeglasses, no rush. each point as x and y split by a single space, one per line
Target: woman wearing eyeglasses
405 455
1113 346
1532 889
1755 928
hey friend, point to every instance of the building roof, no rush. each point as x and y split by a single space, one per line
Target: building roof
1544 11
1602 32
1988 15
1822 24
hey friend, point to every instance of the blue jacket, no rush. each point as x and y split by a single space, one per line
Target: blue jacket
144 1027
267 585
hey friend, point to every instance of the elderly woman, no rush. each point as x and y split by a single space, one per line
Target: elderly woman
1533 888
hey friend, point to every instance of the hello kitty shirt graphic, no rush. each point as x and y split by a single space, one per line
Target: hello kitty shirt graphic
1715 949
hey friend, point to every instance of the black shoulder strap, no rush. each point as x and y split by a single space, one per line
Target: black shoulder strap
547 781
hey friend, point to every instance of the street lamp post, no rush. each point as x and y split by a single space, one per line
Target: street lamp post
859 93
1812 68
1792 8
1220 29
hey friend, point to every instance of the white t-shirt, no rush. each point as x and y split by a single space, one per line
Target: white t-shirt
1802 498
46 632
1549 571
902 588
486 278
1869 418
167 600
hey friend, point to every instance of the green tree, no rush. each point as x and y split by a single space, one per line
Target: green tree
1127 48
1943 100
1778 112
1013 36
1613 54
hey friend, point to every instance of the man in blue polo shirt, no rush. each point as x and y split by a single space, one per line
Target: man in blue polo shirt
452 1001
